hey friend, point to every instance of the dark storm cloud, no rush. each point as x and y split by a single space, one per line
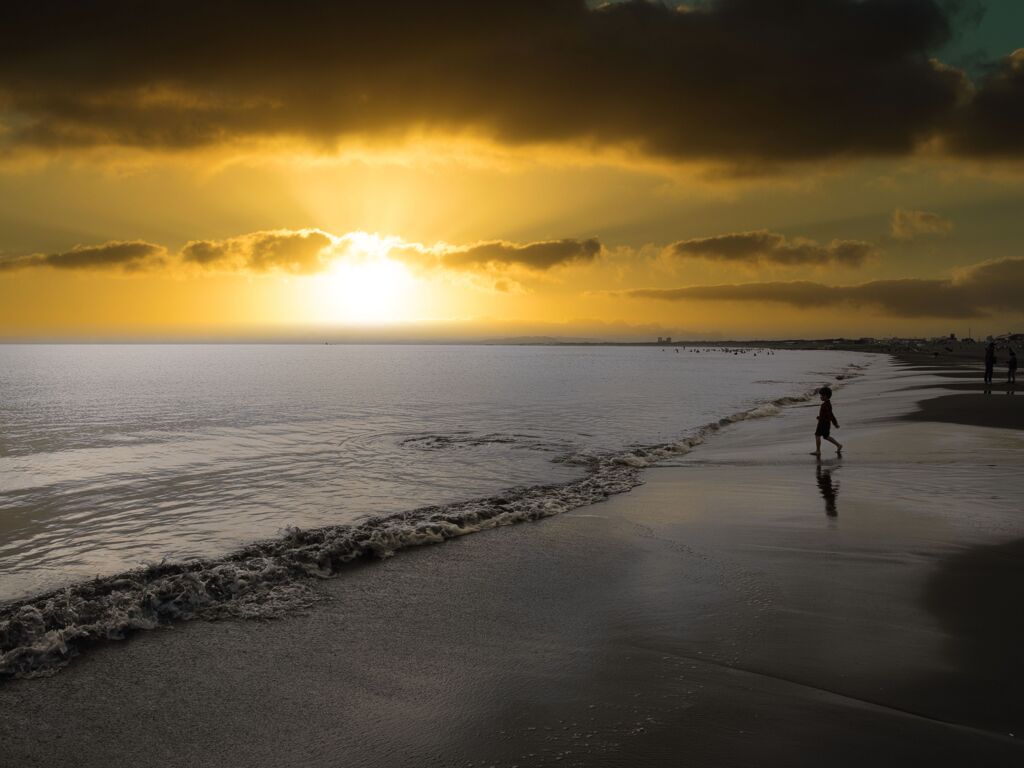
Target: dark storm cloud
992 125
764 246
744 81
299 252
985 287
126 255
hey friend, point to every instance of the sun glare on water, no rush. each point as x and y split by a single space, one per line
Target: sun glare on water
366 287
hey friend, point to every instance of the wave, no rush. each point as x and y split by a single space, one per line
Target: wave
457 440
267 579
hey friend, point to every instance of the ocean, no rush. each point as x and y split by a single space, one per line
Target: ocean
144 483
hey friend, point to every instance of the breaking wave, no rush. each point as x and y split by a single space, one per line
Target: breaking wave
266 579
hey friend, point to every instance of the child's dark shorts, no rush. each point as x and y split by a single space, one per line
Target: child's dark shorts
823 429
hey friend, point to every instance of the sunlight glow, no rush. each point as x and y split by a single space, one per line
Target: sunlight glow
365 286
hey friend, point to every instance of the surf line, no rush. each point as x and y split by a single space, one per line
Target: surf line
267 579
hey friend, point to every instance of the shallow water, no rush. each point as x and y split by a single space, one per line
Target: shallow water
115 456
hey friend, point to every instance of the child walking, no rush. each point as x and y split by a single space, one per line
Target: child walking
825 421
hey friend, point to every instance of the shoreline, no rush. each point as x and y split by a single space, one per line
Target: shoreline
745 606
268 578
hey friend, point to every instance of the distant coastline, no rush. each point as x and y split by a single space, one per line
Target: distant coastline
949 350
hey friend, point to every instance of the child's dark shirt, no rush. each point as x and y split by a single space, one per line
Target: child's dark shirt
825 415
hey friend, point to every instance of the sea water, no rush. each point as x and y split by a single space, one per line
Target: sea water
114 457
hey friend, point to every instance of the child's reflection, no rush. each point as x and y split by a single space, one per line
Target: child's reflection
828 489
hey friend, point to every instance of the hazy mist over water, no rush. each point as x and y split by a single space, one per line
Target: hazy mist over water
113 456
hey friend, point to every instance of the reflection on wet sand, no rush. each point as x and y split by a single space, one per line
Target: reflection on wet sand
828 488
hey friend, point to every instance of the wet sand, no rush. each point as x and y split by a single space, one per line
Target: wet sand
994 409
973 402
747 606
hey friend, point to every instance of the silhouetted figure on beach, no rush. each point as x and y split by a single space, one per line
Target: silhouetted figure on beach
829 490
826 419
1011 368
990 361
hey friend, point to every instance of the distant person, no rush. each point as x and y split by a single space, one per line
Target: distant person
990 361
1011 368
826 419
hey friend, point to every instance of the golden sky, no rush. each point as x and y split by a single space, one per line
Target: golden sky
460 170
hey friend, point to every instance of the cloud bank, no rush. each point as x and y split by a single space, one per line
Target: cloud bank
973 292
299 252
762 246
542 255
311 251
128 255
739 81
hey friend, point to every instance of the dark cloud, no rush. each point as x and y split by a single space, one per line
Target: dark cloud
499 255
300 252
992 124
309 251
535 256
128 255
207 252
906 225
744 81
975 292
765 246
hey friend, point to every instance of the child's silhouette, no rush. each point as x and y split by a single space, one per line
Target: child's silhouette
825 421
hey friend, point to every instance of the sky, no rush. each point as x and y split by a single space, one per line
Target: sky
726 169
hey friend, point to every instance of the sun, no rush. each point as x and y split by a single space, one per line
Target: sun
365 286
